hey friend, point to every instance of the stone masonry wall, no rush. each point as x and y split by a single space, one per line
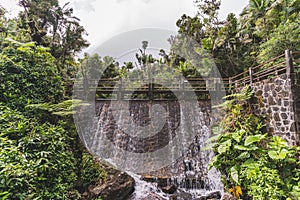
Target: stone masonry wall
278 100
296 96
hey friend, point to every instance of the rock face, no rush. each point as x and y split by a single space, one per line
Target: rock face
213 195
169 189
117 186
152 196
181 196
227 196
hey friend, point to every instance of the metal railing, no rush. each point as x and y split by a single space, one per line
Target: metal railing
152 89
287 63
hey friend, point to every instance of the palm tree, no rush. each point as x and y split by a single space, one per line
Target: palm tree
288 7
252 13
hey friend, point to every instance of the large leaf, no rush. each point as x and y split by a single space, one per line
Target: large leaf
213 138
4 195
278 155
253 138
234 174
243 148
250 164
237 136
213 162
224 146
278 142
244 155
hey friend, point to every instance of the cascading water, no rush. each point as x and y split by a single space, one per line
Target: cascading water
189 172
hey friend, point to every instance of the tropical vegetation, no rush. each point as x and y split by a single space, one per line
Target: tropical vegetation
253 163
41 155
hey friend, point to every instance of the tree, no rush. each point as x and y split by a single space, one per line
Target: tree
53 26
288 8
41 156
231 55
48 24
191 26
96 67
28 75
253 19
220 38
143 58
208 14
285 36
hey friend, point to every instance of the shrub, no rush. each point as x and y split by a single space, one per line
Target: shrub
253 163
28 75
35 160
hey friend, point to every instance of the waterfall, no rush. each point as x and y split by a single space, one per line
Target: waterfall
141 128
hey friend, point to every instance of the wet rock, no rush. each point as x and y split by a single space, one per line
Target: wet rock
153 196
227 196
213 195
181 196
169 189
162 181
118 186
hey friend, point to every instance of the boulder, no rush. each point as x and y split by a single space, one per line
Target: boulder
117 186
181 196
153 196
170 189
227 196
162 181
213 195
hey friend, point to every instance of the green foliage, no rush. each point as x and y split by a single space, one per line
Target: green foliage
54 26
35 162
42 161
64 108
263 166
50 25
265 29
41 155
91 170
285 36
28 75
95 67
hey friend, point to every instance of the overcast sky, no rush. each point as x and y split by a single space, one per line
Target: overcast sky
104 19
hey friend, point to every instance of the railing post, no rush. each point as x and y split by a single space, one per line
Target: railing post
182 84
230 85
120 90
217 84
207 80
150 88
289 63
182 87
251 75
86 87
